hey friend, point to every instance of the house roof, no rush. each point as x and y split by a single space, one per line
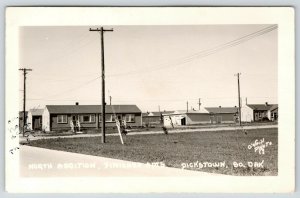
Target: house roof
198 111
261 107
70 109
156 113
36 112
186 112
274 107
222 109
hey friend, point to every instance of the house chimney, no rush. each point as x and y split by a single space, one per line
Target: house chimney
77 103
267 104
219 106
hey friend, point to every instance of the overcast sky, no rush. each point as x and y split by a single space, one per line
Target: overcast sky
150 66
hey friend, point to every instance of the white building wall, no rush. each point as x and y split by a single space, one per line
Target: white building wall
246 114
172 120
46 120
269 115
29 120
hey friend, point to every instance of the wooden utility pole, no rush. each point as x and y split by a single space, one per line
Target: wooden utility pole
199 103
102 30
24 98
239 97
187 106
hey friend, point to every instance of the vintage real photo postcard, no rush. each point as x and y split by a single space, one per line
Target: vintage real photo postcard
139 100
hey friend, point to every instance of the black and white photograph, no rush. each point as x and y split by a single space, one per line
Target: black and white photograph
148 101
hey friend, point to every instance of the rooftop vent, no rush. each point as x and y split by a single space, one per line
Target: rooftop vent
77 103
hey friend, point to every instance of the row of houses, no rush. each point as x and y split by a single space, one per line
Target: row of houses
214 115
59 117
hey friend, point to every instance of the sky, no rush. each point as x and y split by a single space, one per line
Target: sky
150 66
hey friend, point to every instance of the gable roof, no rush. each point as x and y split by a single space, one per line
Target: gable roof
274 107
156 113
198 111
69 109
222 109
185 112
261 107
36 112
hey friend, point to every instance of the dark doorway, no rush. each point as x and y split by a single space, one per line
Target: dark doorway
183 121
37 122
219 119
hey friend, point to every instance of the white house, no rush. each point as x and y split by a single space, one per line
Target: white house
259 112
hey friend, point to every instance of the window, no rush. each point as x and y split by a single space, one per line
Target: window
130 118
93 118
109 118
88 118
62 119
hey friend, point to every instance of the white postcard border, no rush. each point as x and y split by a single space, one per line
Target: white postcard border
84 16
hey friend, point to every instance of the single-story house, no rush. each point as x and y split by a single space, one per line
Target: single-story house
154 117
259 112
34 119
184 117
59 117
223 114
273 113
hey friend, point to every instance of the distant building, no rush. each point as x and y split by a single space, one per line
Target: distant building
223 114
209 115
184 117
259 112
154 117
59 117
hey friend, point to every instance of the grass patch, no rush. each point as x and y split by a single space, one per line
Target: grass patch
183 150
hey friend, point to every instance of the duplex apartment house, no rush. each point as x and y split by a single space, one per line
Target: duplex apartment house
59 117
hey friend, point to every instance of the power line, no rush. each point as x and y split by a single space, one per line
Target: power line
82 42
202 53
69 90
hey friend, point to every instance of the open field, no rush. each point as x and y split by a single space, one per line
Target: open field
202 151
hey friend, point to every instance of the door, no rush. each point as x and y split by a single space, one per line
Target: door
36 122
212 119
219 119
183 121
